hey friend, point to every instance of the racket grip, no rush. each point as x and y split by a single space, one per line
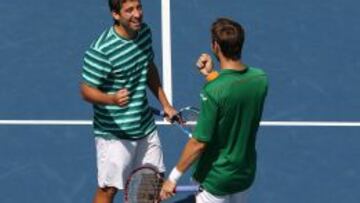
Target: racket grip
187 188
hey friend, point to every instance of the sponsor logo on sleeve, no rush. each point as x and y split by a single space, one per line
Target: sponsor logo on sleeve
203 97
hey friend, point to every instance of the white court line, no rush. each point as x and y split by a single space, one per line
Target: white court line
166 49
310 123
57 122
167 85
263 123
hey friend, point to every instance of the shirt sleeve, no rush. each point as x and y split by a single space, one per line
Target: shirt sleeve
151 51
96 67
207 120
147 34
212 76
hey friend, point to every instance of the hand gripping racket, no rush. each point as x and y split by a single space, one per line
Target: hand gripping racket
187 117
144 186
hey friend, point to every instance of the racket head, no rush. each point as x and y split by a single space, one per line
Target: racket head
188 117
143 186
185 119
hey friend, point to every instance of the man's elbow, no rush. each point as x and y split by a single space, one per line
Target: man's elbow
83 92
198 145
84 97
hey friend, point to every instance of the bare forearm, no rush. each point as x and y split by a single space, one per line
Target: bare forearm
162 98
191 152
156 87
95 96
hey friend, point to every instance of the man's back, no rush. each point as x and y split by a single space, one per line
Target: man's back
230 115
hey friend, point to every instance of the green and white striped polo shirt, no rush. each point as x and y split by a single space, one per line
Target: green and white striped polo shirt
110 64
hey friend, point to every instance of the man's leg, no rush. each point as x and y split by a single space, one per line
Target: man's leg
150 153
206 197
114 164
239 197
105 195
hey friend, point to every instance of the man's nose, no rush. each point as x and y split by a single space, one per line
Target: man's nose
137 13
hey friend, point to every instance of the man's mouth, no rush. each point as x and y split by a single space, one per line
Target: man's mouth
136 22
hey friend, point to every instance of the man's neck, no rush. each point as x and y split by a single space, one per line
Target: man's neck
125 33
232 64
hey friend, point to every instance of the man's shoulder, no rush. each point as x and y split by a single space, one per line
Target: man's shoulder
102 40
260 74
212 87
215 83
221 83
145 30
256 70
144 27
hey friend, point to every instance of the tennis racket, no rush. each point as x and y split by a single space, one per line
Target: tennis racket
186 119
144 186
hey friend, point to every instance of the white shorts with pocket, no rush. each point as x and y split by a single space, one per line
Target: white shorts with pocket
117 158
206 197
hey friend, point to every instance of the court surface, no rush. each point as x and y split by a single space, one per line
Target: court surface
307 144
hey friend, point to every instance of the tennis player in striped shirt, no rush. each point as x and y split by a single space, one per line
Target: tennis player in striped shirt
118 66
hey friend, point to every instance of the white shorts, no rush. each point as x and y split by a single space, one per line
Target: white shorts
117 158
206 197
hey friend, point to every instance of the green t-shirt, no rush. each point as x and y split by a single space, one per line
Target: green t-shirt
113 63
231 109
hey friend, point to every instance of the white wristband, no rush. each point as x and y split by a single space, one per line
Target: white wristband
175 175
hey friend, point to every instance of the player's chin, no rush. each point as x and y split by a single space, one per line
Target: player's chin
136 26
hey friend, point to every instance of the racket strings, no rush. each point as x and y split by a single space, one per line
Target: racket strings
188 118
145 188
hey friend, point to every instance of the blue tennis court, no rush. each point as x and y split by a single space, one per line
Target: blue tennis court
309 137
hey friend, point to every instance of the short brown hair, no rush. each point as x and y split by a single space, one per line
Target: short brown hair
115 5
230 36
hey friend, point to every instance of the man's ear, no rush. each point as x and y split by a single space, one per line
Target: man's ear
115 15
215 47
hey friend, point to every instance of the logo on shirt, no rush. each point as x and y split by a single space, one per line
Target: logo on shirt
203 97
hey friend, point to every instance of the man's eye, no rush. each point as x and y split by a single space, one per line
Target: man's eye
129 10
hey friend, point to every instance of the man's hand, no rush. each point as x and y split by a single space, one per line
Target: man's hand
170 113
121 97
205 64
167 190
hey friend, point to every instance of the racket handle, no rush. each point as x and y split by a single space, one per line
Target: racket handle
183 129
187 188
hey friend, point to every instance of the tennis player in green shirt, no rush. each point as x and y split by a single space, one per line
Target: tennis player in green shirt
222 149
